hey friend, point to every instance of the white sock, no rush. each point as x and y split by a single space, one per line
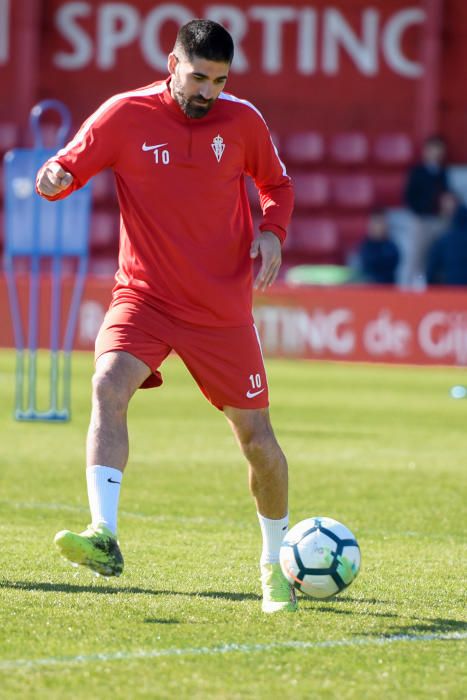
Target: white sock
103 492
273 532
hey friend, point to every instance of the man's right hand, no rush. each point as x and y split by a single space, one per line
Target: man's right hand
53 179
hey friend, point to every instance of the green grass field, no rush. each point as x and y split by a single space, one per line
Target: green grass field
382 449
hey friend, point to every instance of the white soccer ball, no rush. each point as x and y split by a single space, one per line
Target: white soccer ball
320 557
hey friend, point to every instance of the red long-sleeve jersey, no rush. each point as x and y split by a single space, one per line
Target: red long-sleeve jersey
186 228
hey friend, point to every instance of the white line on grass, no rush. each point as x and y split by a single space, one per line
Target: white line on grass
15 664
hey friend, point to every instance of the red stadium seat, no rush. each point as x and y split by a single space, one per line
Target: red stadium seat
353 191
104 231
8 136
304 148
311 189
389 188
393 149
350 148
311 235
103 188
351 230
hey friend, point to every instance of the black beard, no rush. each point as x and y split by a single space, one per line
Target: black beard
193 111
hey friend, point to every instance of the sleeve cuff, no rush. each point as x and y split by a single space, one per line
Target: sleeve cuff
276 230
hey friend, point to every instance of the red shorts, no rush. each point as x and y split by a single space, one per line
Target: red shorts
226 363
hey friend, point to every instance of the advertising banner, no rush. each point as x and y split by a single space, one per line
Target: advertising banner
365 324
294 60
325 65
299 55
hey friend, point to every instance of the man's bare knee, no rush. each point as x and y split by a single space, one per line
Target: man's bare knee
255 435
117 377
108 392
258 442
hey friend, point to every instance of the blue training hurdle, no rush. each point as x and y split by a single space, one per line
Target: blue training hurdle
41 233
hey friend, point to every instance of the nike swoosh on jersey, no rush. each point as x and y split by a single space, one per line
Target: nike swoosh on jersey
252 394
144 147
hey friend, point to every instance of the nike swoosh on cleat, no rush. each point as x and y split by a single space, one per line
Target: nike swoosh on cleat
111 481
252 394
144 147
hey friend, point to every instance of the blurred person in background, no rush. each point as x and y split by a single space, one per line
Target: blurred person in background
378 256
447 258
426 182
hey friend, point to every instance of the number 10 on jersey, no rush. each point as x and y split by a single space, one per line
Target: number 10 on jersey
162 157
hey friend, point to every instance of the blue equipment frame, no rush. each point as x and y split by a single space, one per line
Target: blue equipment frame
37 230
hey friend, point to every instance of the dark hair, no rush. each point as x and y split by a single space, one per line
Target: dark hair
205 39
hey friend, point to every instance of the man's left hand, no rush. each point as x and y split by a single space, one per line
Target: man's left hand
268 246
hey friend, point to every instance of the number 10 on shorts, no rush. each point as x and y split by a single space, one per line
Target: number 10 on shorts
255 381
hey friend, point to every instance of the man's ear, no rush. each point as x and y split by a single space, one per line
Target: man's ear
172 63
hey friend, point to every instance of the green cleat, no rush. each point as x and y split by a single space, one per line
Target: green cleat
278 594
97 548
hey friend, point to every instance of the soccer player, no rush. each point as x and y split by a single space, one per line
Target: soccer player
180 149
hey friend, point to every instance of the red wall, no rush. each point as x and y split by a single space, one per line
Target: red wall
329 65
287 60
453 93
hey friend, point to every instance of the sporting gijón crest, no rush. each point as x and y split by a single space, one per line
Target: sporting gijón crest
218 146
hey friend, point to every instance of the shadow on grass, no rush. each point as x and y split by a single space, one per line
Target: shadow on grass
343 598
336 606
418 626
437 625
98 588
365 613
161 621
